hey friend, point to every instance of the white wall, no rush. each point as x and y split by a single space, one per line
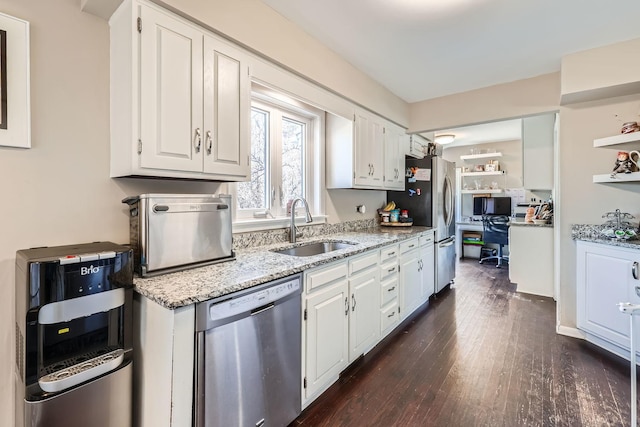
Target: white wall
511 162
582 201
59 192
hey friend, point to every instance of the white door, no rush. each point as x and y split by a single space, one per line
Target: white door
170 93
363 161
227 108
604 279
410 282
393 160
427 270
365 311
327 335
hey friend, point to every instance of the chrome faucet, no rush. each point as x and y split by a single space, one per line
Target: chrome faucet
293 230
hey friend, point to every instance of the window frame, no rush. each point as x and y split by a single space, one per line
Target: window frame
269 100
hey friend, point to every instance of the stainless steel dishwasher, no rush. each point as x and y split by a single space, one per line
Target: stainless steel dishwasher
248 353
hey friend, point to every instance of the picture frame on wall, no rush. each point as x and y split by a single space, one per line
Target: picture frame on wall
15 103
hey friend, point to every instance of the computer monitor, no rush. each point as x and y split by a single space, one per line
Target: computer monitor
492 206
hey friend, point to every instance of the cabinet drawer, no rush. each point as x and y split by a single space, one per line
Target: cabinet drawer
362 262
321 276
389 317
427 239
388 253
388 269
389 290
408 245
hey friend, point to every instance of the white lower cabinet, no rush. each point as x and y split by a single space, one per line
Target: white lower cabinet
410 277
604 278
350 305
427 265
389 289
326 328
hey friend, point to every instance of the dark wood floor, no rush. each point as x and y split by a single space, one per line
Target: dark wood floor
479 355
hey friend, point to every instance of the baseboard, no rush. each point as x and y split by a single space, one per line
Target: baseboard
570 332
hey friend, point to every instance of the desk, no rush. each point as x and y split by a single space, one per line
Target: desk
461 227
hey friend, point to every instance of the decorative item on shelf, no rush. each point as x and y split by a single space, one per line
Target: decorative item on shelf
494 185
630 127
492 166
623 164
478 168
618 226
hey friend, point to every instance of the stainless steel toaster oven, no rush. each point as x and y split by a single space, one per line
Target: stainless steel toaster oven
171 232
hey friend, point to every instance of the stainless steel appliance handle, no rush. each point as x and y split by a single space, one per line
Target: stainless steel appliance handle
189 207
448 242
634 270
448 198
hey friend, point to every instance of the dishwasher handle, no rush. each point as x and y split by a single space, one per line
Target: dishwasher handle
262 309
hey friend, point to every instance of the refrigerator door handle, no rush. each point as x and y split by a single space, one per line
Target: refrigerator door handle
447 242
448 200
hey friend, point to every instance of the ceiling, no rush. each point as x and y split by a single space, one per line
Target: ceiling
422 49
506 130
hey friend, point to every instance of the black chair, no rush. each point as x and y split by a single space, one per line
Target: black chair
496 230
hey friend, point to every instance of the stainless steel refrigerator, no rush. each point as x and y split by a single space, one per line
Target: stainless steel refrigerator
429 197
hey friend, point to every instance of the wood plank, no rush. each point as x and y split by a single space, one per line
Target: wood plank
479 354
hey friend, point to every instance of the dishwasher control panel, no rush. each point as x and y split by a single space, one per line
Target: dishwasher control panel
255 301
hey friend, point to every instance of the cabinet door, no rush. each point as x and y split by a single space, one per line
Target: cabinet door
365 311
393 161
170 93
226 110
369 145
327 335
410 282
427 271
363 163
538 135
604 279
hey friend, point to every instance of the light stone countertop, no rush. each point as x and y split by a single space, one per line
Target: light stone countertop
259 265
591 233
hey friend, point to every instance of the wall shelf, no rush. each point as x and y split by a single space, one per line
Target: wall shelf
481 156
490 191
619 141
482 173
621 177
625 141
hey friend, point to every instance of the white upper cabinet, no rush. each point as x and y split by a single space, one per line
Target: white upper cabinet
368 146
361 154
394 143
538 136
180 98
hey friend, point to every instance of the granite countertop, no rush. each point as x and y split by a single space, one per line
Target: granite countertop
259 265
591 233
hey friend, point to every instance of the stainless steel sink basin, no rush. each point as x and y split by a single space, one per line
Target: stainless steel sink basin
315 248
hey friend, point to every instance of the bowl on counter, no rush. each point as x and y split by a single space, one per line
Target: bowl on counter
540 221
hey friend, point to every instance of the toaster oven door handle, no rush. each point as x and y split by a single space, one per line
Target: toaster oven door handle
189 207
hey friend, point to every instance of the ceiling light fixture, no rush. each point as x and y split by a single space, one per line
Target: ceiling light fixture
446 138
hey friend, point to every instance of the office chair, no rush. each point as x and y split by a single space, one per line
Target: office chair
496 230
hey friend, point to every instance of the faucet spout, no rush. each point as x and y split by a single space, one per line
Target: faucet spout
293 230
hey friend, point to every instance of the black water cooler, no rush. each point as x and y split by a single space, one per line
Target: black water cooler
74 336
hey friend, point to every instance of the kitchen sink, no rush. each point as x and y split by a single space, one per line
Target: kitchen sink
315 248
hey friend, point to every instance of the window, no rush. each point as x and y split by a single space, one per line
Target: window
285 160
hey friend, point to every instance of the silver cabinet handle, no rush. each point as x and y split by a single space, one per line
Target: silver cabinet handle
197 140
391 270
391 253
634 270
353 301
209 142
392 314
391 289
346 306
